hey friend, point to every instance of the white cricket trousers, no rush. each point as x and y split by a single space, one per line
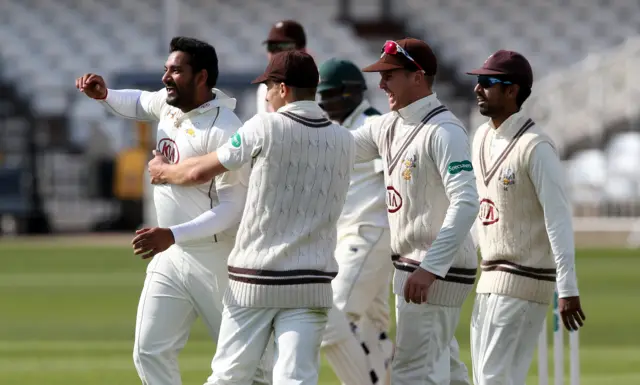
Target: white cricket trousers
245 333
177 290
427 352
504 334
356 341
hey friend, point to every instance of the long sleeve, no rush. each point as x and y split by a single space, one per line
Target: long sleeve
366 147
244 145
545 172
220 218
449 147
135 104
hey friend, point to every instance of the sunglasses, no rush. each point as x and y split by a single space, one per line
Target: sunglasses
279 47
489 81
392 48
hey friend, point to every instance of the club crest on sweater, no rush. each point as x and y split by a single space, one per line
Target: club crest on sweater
507 177
409 163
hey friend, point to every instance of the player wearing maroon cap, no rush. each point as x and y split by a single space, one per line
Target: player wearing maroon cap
285 35
431 203
524 227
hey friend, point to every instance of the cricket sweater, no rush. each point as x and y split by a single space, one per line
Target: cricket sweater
522 196
284 251
365 204
431 195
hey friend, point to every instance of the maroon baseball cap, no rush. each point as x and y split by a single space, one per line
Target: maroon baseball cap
293 68
507 63
287 31
407 53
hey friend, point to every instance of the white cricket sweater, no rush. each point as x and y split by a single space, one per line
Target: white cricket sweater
365 203
431 195
181 136
525 216
284 252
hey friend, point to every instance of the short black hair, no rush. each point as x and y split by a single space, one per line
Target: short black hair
202 56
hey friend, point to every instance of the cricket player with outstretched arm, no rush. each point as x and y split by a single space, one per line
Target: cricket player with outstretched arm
285 35
524 227
361 289
188 273
282 264
432 202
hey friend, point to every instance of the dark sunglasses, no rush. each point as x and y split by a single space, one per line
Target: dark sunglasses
489 81
279 47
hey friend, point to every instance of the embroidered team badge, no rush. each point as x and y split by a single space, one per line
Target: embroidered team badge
191 132
409 164
507 178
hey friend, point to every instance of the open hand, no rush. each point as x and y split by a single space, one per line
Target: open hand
149 242
571 313
417 285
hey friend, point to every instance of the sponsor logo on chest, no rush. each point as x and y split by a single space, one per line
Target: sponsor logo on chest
169 149
488 213
394 200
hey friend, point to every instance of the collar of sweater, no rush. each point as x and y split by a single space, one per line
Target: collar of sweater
306 108
510 126
416 111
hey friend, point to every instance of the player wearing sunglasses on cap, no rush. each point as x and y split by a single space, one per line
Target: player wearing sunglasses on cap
431 202
285 35
519 176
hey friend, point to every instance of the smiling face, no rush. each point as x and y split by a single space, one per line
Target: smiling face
401 86
179 80
494 96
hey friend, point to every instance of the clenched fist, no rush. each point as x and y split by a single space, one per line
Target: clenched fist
92 85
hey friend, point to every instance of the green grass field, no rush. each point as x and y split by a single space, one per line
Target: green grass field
67 318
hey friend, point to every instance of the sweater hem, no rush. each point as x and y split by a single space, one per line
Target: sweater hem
311 295
517 286
443 292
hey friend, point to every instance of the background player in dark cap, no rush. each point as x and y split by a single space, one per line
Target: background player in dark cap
285 35
524 228
282 264
431 202
359 354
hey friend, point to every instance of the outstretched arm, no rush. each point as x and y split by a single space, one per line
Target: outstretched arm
239 150
130 104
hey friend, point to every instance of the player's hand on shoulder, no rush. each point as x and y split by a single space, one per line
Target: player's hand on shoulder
417 285
571 313
92 85
150 241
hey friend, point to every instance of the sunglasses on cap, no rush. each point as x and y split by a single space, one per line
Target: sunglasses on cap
489 81
275 47
390 47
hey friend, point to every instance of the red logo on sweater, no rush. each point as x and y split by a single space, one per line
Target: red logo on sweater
488 213
169 149
394 200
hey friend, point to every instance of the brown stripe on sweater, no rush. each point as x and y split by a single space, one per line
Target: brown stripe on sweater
392 162
455 274
529 269
523 271
280 282
488 174
315 123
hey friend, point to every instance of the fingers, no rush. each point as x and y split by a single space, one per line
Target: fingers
582 316
573 319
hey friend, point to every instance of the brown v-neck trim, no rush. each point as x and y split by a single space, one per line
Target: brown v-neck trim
488 174
392 162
